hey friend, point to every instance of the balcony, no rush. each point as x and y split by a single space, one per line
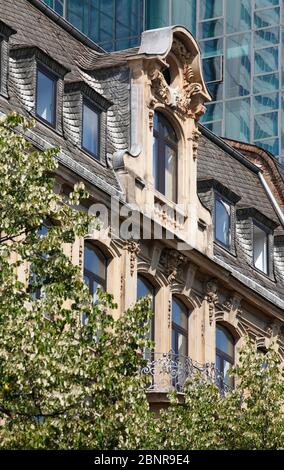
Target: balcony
170 372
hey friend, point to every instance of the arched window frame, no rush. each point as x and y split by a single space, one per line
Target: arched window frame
160 143
178 329
91 275
152 290
223 357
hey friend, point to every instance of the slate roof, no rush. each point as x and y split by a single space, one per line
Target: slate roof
34 28
241 177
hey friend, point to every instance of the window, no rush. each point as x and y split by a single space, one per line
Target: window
95 269
179 328
46 96
222 222
90 129
144 289
225 357
260 249
165 158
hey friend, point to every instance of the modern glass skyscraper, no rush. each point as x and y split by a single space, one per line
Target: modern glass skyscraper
242 44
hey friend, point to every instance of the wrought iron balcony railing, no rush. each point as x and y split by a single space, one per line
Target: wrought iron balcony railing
169 371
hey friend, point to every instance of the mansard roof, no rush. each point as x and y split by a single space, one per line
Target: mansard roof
216 157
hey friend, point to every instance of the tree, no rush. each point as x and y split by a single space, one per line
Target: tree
62 384
249 417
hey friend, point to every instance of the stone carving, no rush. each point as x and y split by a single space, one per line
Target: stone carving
172 261
211 296
179 98
195 137
133 248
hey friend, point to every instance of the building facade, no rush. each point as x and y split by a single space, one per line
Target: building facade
242 50
185 217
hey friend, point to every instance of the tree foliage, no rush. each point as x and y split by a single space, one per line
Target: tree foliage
62 384
65 385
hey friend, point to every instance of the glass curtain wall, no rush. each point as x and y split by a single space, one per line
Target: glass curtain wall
242 45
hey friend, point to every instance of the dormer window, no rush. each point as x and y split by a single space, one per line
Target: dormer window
90 129
165 153
222 221
46 89
260 248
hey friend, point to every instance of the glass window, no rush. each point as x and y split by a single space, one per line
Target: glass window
266 37
222 221
266 102
265 3
214 112
212 69
238 15
184 12
46 95
158 14
260 249
144 289
272 145
265 83
210 9
95 268
238 66
211 47
215 127
266 60
216 90
265 125
210 29
237 119
90 130
266 18
179 328
165 158
225 356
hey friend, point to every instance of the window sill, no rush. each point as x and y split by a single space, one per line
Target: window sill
228 250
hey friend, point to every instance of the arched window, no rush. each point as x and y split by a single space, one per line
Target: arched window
225 355
95 268
144 289
179 328
165 153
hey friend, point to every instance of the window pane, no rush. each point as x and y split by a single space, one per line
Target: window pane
260 249
215 127
265 125
210 9
237 119
266 37
210 29
182 345
265 3
158 14
90 130
266 60
222 222
272 145
214 112
211 47
266 102
216 90
238 15
238 67
180 314
170 174
266 18
94 261
184 12
224 342
212 69
264 83
155 164
45 103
